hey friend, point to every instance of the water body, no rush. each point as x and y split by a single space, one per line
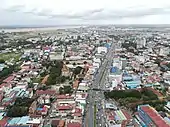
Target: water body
36 28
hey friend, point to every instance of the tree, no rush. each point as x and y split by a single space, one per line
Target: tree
55 73
65 90
67 62
51 80
20 107
77 70
85 62
17 111
74 64
2 61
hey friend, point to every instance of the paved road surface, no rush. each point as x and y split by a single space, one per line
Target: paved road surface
99 82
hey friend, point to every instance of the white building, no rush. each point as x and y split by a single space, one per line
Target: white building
56 56
101 49
164 51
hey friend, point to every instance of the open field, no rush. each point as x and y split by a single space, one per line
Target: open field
10 56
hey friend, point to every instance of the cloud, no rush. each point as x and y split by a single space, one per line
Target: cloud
15 8
84 11
93 14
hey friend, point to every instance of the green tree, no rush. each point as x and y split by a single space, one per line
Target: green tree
65 90
77 70
2 61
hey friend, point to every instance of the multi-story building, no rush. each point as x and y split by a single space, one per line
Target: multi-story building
151 117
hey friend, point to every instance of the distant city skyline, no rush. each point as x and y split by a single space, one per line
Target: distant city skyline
74 12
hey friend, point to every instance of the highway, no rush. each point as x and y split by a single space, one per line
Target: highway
98 96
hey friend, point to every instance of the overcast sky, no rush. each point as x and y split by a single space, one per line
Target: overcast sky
61 12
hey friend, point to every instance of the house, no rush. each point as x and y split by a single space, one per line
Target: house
18 121
9 79
74 124
3 122
151 117
5 87
45 92
33 107
44 99
57 123
102 50
35 120
30 92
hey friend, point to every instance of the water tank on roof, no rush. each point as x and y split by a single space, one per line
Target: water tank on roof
113 69
107 45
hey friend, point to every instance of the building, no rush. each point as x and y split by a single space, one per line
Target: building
151 117
115 74
101 50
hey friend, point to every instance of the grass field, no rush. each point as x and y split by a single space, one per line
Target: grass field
10 56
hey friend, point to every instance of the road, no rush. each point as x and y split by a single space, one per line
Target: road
99 83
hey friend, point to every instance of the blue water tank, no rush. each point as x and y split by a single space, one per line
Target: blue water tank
113 69
107 45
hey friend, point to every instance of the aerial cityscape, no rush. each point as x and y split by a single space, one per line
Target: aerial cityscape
84 63
93 76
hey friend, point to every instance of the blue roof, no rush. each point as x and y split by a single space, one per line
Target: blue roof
107 45
2 115
18 120
23 120
39 109
113 69
132 87
133 84
2 65
148 85
14 121
128 77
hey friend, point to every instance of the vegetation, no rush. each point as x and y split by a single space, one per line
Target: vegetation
118 94
20 107
2 61
148 95
55 73
77 70
37 79
128 45
9 56
65 90
7 71
132 97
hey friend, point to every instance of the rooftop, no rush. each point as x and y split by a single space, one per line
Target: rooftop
73 124
152 113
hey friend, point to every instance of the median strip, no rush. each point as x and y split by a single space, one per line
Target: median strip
95 111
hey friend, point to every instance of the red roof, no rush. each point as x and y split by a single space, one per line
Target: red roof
127 115
111 117
3 122
77 114
74 124
3 84
26 67
55 122
64 107
64 97
156 118
48 92
9 79
78 110
1 96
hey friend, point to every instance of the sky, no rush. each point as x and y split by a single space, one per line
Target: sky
75 12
